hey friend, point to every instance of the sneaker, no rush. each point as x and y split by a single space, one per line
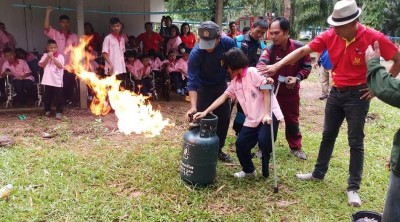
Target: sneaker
298 153
59 116
224 157
182 92
242 174
47 113
307 176
353 198
179 91
323 97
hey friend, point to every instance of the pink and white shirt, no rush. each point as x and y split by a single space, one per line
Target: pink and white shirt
155 63
173 44
18 69
135 69
245 89
182 66
114 46
52 75
171 66
64 41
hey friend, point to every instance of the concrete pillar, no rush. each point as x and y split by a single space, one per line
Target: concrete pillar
81 21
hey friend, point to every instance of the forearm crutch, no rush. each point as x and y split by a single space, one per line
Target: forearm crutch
270 87
281 79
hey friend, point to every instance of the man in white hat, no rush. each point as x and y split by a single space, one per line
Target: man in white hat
349 97
207 77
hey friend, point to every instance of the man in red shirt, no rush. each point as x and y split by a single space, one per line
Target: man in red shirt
149 39
233 32
350 97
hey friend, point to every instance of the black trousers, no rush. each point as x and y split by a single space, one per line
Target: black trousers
206 95
53 93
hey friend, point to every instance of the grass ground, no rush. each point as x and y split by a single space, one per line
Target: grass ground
89 172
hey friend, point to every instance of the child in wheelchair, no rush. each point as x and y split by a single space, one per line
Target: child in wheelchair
17 70
169 67
182 66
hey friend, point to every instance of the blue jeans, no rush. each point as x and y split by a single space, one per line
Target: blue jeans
339 106
391 212
248 138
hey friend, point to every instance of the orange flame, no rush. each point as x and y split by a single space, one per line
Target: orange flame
131 110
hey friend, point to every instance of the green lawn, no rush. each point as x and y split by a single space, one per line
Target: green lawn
90 173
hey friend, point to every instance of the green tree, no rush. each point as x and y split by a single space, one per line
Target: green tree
392 19
373 14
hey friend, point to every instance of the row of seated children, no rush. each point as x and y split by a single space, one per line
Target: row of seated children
141 68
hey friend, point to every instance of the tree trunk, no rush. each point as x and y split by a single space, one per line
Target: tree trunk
287 11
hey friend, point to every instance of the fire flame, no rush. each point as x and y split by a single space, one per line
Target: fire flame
132 110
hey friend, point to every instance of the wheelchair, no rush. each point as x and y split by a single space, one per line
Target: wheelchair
162 81
9 92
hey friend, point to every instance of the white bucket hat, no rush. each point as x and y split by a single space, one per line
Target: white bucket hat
344 12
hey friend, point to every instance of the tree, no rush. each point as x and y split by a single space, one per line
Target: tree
392 20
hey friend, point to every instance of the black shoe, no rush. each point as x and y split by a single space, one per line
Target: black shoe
224 157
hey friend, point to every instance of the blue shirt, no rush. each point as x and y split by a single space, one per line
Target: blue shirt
325 61
207 68
251 47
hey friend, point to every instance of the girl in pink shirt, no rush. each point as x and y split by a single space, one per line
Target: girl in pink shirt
174 40
53 64
174 73
182 66
256 105
155 62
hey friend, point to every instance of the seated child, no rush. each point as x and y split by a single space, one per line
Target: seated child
133 66
146 81
170 67
53 65
182 66
260 107
22 77
155 62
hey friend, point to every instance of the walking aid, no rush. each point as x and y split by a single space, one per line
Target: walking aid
270 87
281 79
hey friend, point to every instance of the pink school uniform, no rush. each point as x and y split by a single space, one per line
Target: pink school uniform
135 69
63 42
171 66
245 89
114 46
52 75
155 63
182 66
19 68
173 44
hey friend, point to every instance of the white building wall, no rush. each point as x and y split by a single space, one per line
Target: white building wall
27 24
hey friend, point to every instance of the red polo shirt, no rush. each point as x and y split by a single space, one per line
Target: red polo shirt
151 41
348 58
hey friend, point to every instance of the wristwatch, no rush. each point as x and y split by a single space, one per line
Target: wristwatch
298 80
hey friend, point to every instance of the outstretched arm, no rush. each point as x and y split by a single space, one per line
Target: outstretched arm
213 106
289 59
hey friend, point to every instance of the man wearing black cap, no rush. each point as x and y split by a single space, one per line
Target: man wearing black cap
207 78
349 97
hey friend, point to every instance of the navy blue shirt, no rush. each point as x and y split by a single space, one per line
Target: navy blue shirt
206 68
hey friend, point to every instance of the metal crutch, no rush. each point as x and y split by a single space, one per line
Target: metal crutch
270 87
281 79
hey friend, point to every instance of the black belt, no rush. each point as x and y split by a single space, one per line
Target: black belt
349 88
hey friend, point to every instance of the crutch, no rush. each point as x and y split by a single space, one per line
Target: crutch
270 87
281 79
